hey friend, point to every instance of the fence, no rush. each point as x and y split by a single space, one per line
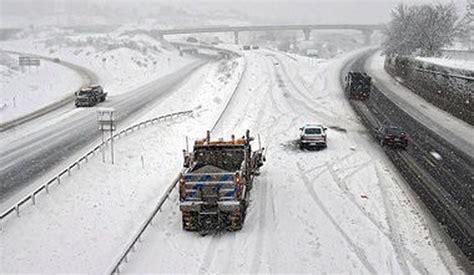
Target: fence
149 221
447 88
84 159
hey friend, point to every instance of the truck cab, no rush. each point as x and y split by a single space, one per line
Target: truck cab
358 85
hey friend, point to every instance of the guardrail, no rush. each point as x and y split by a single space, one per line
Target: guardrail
446 74
84 159
149 221
131 245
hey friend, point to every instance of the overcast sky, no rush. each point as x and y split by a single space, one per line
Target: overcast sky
254 11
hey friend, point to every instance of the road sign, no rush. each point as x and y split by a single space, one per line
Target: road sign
28 61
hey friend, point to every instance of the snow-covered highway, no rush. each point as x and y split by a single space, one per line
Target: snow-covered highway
339 210
27 155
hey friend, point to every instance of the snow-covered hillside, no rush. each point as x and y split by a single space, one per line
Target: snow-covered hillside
121 61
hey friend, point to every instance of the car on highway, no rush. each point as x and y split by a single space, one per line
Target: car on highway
392 136
313 136
246 47
90 96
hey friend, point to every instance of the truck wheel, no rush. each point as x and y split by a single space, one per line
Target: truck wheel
382 143
234 223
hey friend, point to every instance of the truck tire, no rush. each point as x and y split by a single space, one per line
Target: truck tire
189 222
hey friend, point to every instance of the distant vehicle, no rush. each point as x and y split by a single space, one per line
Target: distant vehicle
392 136
246 47
276 63
255 47
90 96
358 85
191 40
56 60
313 136
214 189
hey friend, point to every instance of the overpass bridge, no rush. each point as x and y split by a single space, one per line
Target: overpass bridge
366 30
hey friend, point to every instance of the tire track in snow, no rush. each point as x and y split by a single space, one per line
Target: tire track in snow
392 237
394 234
254 267
345 190
359 252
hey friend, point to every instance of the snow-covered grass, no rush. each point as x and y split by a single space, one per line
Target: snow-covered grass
27 89
121 61
85 222
464 64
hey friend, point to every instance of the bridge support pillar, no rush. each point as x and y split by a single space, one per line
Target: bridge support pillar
236 37
367 36
307 34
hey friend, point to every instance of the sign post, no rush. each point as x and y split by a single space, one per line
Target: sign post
106 121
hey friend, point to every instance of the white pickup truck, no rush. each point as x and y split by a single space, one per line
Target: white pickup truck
313 136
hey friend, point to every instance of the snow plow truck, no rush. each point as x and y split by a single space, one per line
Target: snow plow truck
358 85
215 184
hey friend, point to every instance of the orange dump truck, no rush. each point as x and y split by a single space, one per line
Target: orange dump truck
214 188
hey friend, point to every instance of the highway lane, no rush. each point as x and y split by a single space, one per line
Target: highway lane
27 158
444 184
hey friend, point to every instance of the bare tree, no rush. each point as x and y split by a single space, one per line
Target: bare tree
422 29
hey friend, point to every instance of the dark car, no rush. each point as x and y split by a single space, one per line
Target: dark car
90 96
246 47
255 47
392 136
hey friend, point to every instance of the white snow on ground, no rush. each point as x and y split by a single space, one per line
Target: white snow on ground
451 128
121 61
450 62
342 209
84 222
25 91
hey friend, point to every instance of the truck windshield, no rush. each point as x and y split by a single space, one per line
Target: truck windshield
312 131
84 92
394 131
